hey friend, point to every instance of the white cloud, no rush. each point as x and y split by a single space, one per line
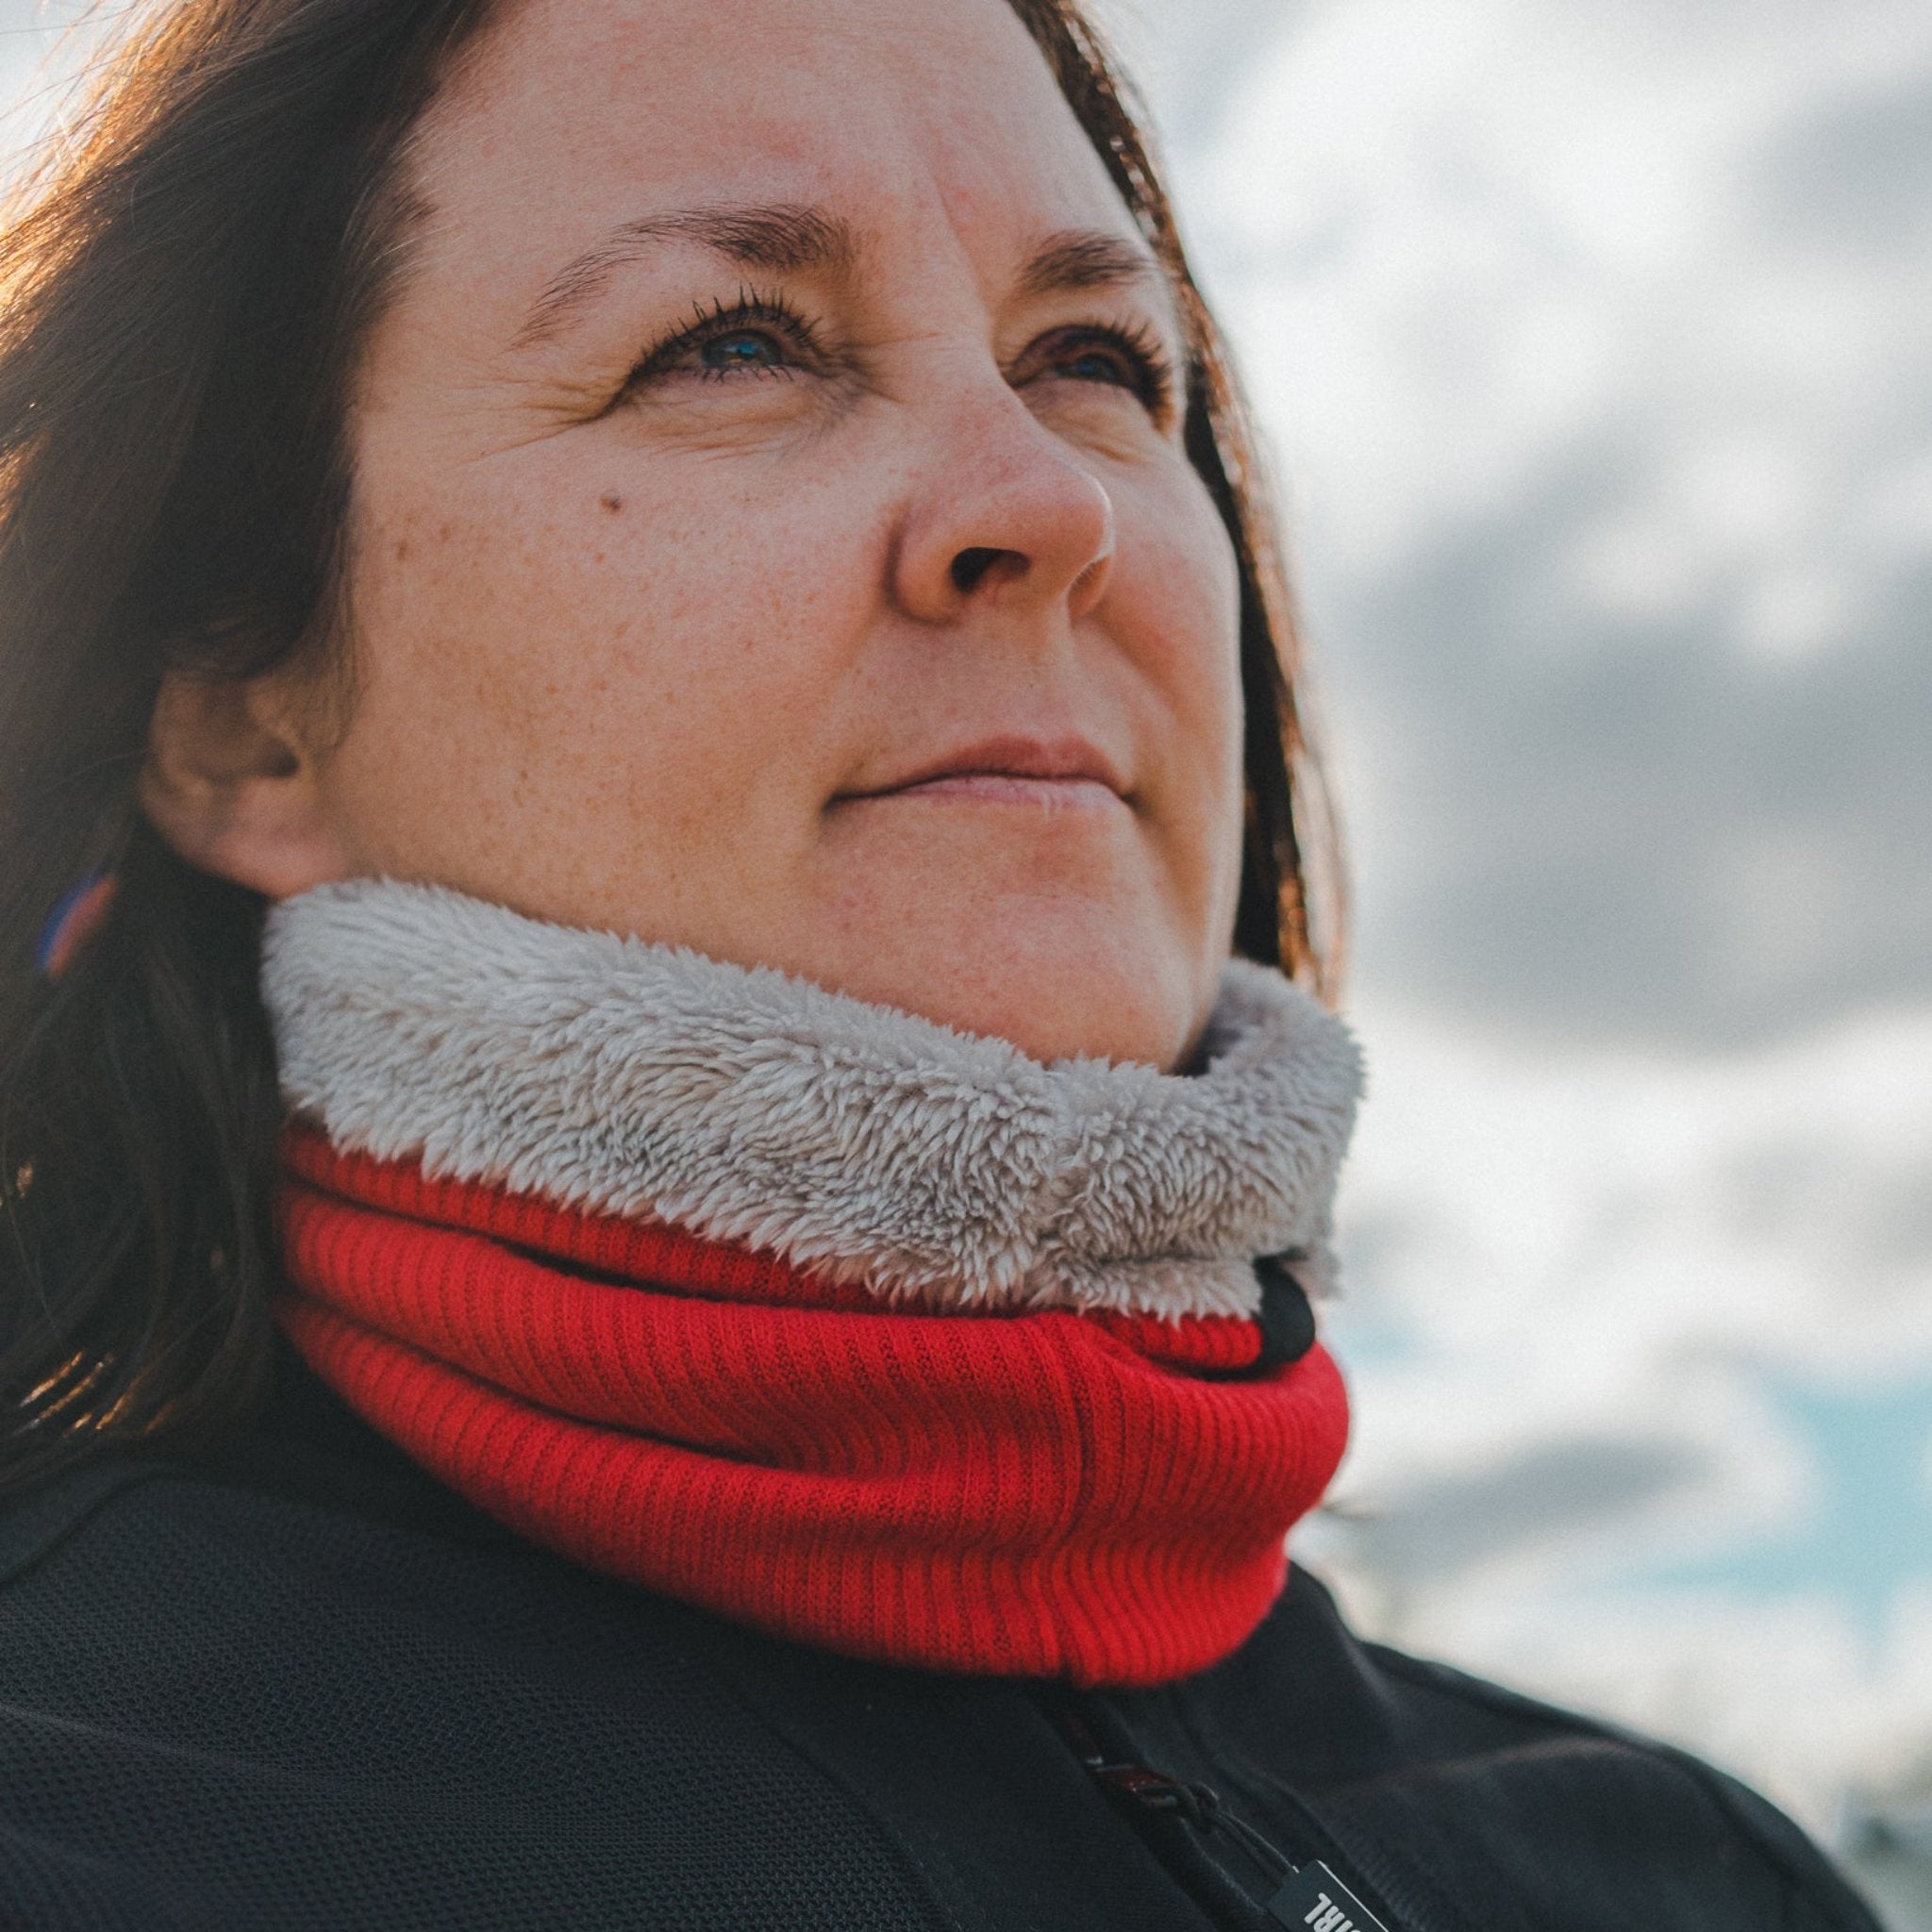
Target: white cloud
1454 242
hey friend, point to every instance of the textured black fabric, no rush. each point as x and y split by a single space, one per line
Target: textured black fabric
306 1686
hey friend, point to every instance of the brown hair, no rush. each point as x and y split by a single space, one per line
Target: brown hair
181 300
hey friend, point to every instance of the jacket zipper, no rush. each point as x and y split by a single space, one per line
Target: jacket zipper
1311 1896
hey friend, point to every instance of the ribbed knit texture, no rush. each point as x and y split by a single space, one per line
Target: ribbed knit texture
1098 1497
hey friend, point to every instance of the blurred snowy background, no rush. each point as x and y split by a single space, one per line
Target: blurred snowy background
1595 347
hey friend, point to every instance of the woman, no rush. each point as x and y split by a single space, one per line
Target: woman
702 1323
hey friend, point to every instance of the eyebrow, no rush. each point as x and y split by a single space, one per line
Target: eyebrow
1088 258
786 238
781 238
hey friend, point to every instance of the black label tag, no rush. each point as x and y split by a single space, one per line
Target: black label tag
1316 1899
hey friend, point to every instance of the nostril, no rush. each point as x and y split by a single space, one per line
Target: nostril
971 566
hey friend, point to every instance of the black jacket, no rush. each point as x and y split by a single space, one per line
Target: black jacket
305 1686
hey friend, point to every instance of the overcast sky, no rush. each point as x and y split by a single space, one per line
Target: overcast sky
1594 342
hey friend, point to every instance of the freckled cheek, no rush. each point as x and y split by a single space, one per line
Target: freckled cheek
441 606
1177 590
693 635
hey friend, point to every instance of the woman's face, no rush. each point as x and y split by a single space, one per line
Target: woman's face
771 528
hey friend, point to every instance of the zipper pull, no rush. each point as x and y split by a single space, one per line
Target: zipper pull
1309 1896
1316 1899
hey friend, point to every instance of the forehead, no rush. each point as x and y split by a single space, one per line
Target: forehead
901 114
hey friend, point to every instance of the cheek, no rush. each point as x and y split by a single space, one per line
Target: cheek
554 641
1185 587
1178 578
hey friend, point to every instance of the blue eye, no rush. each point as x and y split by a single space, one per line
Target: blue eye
1096 367
1130 359
728 342
742 348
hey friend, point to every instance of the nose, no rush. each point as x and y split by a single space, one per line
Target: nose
1003 513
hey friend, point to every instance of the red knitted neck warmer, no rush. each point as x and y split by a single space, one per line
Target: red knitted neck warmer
1064 1463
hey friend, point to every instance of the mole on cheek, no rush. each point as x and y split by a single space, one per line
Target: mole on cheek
611 500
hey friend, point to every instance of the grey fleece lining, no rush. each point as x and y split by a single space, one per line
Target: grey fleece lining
748 1106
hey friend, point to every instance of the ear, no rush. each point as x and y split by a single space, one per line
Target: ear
232 786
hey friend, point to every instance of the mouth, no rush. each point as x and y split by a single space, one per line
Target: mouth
1061 773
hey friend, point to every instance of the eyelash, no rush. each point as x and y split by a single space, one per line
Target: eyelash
718 318
1149 367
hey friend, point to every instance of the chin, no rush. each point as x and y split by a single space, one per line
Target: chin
1074 942
1074 988
1099 1028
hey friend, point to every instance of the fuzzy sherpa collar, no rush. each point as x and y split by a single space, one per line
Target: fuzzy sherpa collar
748 1106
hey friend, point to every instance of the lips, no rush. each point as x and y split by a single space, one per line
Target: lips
1067 770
